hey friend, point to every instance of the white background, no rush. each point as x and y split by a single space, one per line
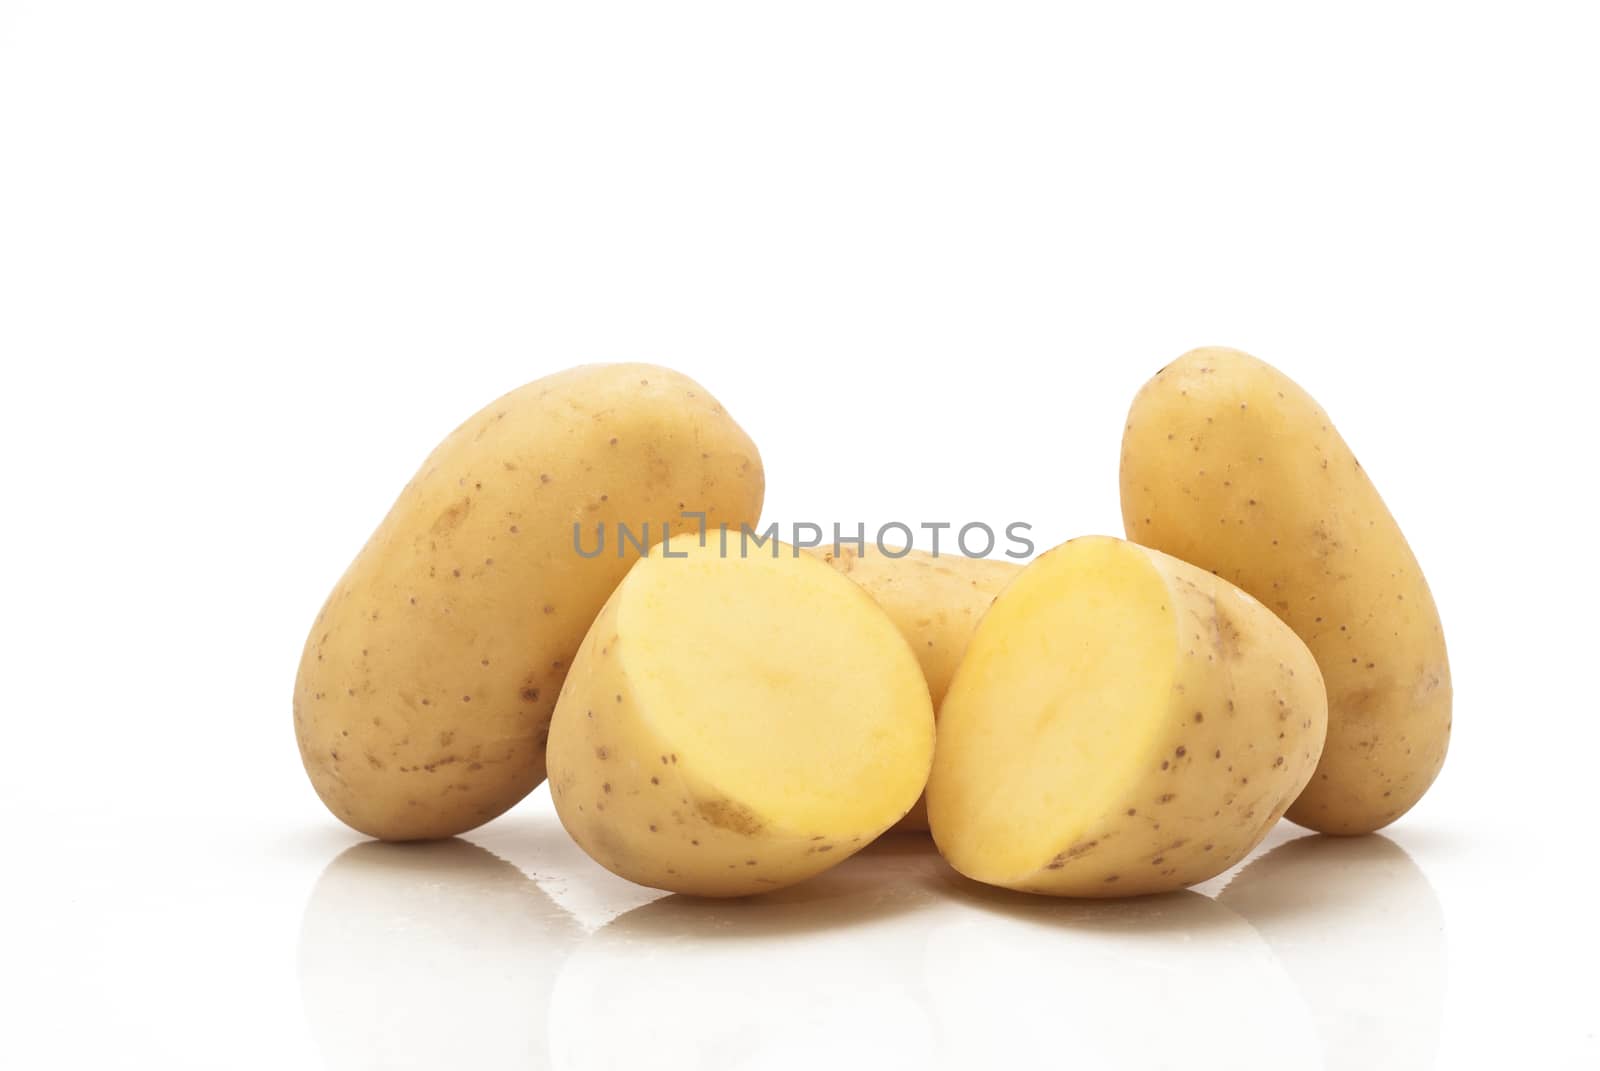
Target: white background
256 259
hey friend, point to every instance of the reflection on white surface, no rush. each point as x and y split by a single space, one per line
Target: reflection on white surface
1357 926
775 981
1320 952
430 956
1169 981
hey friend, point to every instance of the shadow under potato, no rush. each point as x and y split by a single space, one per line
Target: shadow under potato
1159 916
890 876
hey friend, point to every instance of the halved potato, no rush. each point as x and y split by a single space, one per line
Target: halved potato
735 724
1122 723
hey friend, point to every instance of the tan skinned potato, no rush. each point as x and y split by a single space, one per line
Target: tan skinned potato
735 724
424 695
1228 464
935 602
1122 723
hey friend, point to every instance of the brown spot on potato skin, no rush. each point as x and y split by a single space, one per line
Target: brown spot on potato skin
451 517
1227 639
727 814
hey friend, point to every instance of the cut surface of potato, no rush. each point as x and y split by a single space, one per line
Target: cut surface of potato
935 602
1122 723
735 724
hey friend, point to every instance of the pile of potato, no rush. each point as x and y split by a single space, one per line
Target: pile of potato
1114 718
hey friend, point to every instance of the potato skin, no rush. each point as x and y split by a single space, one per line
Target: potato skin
936 603
1228 464
424 695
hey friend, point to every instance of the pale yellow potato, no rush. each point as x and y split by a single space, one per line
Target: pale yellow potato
935 602
426 687
1122 723
735 724
1226 463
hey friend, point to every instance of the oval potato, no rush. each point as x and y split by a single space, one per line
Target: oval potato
1228 464
425 691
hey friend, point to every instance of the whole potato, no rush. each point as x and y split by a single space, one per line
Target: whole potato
1122 723
1228 464
425 691
935 602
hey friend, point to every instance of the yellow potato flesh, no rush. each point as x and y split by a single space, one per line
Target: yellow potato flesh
935 602
733 725
425 690
1228 464
1122 723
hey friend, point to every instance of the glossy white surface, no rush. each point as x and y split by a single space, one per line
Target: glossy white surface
257 259
509 949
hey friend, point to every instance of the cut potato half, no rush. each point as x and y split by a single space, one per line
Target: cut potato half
1121 723
735 724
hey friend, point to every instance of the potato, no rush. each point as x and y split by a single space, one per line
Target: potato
1122 723
426 687
1229 465
935 602
735 724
